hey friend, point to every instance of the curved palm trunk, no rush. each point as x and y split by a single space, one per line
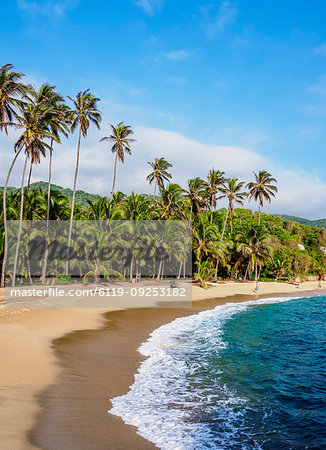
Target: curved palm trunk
29 176
73 203
226 219
20 224
5 254
46 251
114 174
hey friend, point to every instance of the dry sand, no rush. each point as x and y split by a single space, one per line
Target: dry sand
30 363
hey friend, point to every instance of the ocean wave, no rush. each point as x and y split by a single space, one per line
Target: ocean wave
167 396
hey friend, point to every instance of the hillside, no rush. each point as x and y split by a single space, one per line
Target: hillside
81 196
320 223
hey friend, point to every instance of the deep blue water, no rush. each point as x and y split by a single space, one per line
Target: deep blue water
242 376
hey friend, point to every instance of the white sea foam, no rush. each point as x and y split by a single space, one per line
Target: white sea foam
166 396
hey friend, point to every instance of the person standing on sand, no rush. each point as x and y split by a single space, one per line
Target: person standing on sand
256 288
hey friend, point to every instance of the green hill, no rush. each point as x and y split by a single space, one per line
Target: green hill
81 196
320 223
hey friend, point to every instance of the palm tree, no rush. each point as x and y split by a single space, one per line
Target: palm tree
121 145
262 189
215 179
232 191
160 173
85 111
171 203
11 89
254 245
196 195
34 123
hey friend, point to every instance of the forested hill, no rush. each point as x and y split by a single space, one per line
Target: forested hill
81 196
320 223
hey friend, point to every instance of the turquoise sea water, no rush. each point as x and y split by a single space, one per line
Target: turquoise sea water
242 376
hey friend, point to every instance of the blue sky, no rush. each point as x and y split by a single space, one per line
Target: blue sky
235 81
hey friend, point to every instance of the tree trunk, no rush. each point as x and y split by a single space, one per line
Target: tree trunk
114 174
259 215
159 270
216 267
29 176
226 218
5 253
179 272
256 271
46 251
246 273
20 224
73 203
131 267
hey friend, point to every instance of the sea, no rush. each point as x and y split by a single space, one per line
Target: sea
248 375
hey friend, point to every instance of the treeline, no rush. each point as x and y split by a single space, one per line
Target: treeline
229 242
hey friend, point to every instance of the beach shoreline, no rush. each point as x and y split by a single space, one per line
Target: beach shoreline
43 350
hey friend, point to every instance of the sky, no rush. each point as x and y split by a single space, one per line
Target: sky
238 86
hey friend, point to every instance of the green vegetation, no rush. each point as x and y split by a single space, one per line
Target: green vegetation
320 223
232 242
82 197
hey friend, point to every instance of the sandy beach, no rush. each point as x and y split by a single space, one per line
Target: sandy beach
60 367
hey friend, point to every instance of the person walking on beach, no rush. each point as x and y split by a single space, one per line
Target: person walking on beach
256 288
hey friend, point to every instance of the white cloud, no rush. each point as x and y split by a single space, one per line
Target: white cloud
150 7
300 193
178 55
57 8
226 15
321 49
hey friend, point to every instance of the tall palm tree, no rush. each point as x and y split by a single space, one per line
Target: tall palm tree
11 91
232 191
121 145
48 98
160 173
215 179
33 122
85 112
261 189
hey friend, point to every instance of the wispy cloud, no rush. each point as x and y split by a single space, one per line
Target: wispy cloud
56 8
226 15
178 55
176 80
321 49
320 86
150 7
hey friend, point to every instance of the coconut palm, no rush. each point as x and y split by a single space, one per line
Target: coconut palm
215 179
121 145
253 244
171 203
196 195
232 191
84 112
261 189
11 91
33 121
160 173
